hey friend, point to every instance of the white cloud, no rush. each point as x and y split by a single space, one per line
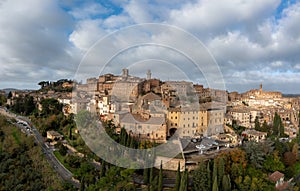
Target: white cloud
89 10
117 21
33 40
218 16
86 33
249 43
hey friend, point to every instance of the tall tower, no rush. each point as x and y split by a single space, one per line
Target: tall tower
260 89
125 73
148 74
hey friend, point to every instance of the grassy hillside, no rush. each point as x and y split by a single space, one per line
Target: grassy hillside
22 164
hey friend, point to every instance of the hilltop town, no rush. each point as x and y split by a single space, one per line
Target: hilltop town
161 109
205 122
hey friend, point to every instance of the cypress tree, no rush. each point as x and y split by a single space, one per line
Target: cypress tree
160 180
178 178
221 170
276 124
226 185
209 181
215 184
146 175
183 182
102 168
82 186
128 141
151 176
153 185
257 125
215 169
70 133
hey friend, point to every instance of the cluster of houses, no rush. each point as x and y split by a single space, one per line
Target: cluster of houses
155 110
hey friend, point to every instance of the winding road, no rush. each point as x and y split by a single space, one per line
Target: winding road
48 152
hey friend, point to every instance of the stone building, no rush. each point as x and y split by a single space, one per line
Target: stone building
241 116
153 129
261 94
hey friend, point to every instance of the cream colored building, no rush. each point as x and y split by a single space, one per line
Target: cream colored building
241 116
215 118
154 129
192 122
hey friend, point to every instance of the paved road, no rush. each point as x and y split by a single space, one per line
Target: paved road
48 152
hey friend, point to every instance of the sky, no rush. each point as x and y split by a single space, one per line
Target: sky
249 41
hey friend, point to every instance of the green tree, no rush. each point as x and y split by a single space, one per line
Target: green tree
153 185
2 100
146 175
221 170
43 84
151 176
226 185
266 128
273 163
63 150
9 95
178 178
82 184
200 178
257 124
160 178
215 169
102 168
215 184
278 128
209 180
184 181
255 154
51 106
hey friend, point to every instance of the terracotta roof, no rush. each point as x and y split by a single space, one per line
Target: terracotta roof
276 176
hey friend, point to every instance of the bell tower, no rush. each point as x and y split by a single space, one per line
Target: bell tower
260 89
148 74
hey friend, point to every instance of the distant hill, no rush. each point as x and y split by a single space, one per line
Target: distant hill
7 90
290 95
